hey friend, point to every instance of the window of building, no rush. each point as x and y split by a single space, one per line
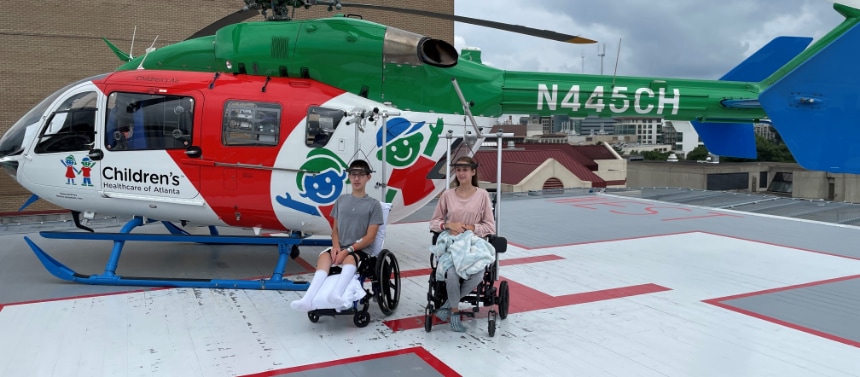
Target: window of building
782 183
251 123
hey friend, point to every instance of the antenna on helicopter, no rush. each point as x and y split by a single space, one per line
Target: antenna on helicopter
601 55
617 58
149 49
131 49
583 61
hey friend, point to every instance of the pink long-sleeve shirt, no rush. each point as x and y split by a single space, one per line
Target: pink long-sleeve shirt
476 210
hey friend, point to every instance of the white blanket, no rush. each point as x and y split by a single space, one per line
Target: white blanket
353 292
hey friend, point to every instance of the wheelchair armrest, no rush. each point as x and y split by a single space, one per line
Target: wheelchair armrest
499 243
435 237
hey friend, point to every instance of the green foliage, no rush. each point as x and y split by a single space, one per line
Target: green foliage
700 153
655 155
767 150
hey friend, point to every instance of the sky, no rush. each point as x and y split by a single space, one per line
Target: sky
697 39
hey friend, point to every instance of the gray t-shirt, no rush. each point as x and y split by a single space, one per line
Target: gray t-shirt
353 216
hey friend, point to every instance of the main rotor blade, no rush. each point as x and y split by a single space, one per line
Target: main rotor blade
547 34
233 18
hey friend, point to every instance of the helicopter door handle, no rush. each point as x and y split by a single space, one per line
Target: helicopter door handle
96 154
193 151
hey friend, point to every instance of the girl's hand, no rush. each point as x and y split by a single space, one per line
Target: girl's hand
455 228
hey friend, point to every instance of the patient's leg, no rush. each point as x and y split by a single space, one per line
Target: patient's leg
323 265
347 273
306 303
470 283
335 297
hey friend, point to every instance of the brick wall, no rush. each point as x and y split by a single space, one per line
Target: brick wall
48 44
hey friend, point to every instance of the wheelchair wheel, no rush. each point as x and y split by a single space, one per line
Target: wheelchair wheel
313 317
504 299
361 319
491 323
428 317
435 295
388 274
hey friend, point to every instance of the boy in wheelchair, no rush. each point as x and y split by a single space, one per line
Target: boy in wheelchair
463 217
357 218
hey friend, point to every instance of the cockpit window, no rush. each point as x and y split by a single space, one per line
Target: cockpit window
71 127
13 141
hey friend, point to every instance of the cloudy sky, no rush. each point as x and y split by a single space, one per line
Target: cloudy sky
664 38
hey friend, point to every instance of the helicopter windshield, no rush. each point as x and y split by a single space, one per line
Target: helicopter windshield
13 141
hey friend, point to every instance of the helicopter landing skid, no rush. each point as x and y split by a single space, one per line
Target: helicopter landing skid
286 247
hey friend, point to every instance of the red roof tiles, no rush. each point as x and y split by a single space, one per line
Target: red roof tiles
519 163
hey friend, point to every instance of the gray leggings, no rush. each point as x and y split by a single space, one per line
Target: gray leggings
453 287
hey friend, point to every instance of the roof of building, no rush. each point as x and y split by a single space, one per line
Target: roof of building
517 129
583 154
518 163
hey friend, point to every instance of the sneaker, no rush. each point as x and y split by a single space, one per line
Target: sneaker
456 325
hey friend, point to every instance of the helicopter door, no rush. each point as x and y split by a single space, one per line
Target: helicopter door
144 142
59 155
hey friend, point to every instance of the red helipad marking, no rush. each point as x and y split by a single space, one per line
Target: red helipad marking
604 241
629 207
524 299
719 302
307 266
428 358
82 296
504 262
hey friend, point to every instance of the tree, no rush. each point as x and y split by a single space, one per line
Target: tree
767 151
700 153
655 155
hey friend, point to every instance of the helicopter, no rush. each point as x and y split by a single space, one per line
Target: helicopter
252 124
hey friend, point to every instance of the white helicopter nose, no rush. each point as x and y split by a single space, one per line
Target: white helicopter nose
11 148
10 164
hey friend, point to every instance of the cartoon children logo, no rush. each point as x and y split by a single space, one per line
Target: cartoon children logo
86 170
320 181
71 171
411 163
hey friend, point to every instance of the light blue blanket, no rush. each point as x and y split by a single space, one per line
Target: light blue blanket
468 253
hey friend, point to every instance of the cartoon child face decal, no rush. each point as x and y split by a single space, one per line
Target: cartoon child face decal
87 163
320 181
324 187
404 142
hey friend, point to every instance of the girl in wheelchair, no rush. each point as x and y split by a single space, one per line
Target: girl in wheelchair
357 218
464 208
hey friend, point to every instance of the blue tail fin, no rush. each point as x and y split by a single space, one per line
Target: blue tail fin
738 139
816 106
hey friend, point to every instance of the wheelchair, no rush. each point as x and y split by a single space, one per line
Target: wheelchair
486 294
383 273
